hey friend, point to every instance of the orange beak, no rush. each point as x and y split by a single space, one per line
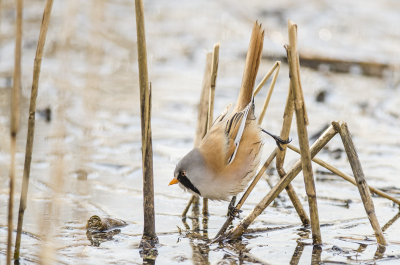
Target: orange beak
173 181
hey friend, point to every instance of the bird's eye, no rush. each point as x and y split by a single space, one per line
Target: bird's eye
183 173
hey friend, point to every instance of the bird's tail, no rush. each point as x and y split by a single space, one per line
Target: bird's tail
251 68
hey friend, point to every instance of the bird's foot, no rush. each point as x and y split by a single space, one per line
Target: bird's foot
232 211
278 140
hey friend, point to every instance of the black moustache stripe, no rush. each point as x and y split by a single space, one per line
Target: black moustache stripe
186 182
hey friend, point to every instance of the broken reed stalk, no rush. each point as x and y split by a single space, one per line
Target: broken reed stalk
302 122
241 227
268 97
280 158
248 191
14 123
343 130
31 123
346 176
149 232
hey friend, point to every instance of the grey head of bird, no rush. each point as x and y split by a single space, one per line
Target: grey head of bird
191 173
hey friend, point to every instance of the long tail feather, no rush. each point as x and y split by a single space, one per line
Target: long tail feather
251 68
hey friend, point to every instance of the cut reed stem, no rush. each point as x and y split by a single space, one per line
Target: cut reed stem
31 123
346 176
268 97
15 116
302 122
343 130
240 228
149 232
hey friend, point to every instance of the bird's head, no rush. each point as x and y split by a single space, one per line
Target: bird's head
190 172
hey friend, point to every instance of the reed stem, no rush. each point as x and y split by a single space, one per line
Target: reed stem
149 231
31 123
343 130
302 122
15 119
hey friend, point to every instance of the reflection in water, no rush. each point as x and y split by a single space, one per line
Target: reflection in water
380 251
304 233
201 247
391 221
96 237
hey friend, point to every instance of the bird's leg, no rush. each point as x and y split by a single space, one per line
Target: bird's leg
232 211
278 139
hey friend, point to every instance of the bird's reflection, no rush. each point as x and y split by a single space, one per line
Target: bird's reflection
97 237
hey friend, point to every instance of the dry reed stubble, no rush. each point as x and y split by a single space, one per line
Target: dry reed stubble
149 234
343 130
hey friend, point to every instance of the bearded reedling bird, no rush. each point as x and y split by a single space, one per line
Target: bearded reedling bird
229 154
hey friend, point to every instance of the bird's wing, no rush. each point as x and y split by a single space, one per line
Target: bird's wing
235 127
223 114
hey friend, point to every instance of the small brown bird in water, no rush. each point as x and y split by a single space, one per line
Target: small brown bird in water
228 156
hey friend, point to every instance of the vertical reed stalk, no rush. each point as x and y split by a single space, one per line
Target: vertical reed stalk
268 98
280 158
31 123
14 122
202 116
240 228
343 130
149 231
346 176
302 122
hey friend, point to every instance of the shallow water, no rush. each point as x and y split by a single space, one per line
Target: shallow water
87 159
